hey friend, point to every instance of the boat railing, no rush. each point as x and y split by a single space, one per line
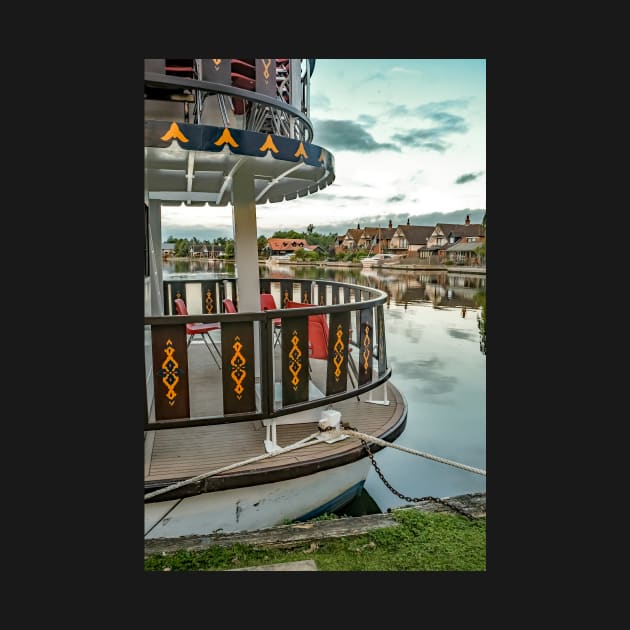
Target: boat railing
198 98
261 378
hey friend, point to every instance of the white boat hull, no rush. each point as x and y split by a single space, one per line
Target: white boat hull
380 260
256 507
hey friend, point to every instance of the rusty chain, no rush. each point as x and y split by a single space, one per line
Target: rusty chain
404 497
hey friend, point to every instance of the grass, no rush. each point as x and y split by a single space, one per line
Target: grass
422 541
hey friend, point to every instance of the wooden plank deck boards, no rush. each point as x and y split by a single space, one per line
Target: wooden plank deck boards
183 453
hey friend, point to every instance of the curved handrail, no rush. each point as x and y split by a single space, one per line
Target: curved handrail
375 298
164 80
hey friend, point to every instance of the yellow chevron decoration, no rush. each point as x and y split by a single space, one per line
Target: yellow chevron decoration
268 144
208 301
266 66
301 151
237 362
321 156
338 348
170 372
174 132
226 138
366 347
295 364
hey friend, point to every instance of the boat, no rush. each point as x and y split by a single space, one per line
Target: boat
381 260
246 432
279 259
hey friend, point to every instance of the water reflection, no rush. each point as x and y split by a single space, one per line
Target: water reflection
198 266
440 288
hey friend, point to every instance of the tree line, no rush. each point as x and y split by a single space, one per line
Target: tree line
182 246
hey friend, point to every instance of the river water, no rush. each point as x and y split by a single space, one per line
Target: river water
434 349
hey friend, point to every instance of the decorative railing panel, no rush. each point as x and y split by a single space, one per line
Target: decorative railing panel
238 369
338 349
211 297
170 372
286 292
366 346
295 360
305 291
382 350
177 291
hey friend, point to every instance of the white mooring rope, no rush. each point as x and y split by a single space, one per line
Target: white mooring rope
301 443
307 441
369 438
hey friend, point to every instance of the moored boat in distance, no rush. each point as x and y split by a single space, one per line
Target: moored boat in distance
243 406
380 260
279 259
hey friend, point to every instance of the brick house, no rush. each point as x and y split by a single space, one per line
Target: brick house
445 236
410 240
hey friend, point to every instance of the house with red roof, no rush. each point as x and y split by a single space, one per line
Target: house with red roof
281 246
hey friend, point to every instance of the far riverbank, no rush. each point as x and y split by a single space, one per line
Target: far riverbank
481 270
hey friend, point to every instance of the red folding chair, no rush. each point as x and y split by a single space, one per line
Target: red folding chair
228 305
203 330
267 303
245 81
318 333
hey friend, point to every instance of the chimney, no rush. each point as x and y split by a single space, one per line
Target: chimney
358 226
390 223
467 219
408 221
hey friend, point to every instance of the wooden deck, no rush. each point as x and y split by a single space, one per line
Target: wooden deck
176 454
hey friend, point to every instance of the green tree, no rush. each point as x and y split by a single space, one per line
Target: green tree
288 234
261 243
181 247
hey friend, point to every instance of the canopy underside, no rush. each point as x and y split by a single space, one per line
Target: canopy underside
195 164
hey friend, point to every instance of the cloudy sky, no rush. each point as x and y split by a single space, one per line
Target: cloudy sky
409 141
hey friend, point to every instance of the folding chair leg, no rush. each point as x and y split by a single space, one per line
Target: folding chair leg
214 344
353 366
203 336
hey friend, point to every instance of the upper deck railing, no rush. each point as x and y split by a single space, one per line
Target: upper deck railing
262 95
260 378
